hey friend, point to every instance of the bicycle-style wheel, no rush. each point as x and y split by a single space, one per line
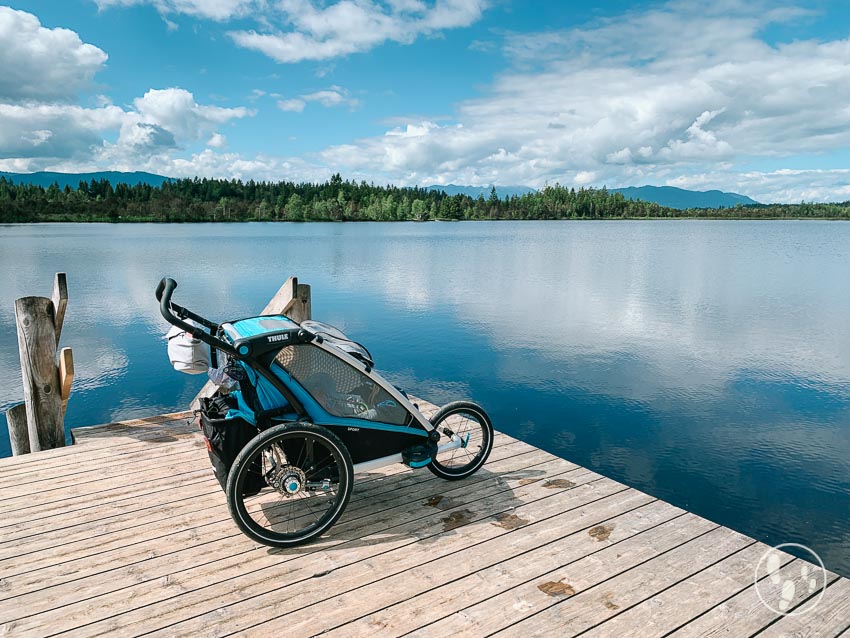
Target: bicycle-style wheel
305 480
470 422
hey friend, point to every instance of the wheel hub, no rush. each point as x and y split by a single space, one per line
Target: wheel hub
288 480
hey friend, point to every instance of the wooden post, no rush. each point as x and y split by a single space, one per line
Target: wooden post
39 422
60 302
37 345
292 300
16 419
66 376
301 308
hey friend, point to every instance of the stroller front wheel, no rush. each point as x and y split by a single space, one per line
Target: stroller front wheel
304 476
470 422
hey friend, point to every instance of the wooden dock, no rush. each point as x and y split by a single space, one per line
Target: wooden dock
127 533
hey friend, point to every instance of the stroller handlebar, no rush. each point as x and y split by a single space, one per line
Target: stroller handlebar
161 287
163 294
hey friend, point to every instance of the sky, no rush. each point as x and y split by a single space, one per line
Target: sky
749 97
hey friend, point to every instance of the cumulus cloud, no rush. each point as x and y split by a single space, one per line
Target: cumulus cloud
645 97
778 186
334 96
53 130
165 120
34 136
217 140
40 63
310 31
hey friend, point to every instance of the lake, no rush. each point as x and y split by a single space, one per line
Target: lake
704 362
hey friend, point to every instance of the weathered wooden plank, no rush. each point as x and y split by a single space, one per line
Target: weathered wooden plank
82 434
141 441
212 520
830 618
168 560
146 431
366 515
116 496
596 602
401 600
19 435
531 591
102 513
210 591
660 614
743 613
25 507
43 489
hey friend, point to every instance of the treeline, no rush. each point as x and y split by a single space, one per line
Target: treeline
220 200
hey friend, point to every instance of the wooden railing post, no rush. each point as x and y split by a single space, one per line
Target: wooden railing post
46 387
19 436
292 300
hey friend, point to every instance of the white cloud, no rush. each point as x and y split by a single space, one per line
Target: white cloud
334 96
311 32
53 130
214 9
779 186
641 98
294 105
42 64
217 140
167 119
34 136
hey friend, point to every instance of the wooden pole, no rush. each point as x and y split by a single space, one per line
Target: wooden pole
292 300
34 317
66 376
16 419
60 302
302 308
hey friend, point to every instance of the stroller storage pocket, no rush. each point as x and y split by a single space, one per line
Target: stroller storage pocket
225 439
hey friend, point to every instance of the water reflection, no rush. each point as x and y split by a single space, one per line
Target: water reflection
707 363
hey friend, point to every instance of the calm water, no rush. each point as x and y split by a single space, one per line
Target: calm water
707 363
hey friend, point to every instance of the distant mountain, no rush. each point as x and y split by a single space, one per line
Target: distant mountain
475 191
681 198
46 178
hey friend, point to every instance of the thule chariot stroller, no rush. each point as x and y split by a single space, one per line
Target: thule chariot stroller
305 413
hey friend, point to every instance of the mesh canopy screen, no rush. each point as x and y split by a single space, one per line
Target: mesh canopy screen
338 387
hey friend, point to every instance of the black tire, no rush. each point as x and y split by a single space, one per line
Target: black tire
463 418
319 477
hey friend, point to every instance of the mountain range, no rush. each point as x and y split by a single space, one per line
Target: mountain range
681 198
46 178
664 195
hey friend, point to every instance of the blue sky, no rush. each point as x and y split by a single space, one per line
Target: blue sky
748 97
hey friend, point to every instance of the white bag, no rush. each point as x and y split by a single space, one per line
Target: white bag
187 354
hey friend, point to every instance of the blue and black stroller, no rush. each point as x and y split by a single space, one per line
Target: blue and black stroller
309 413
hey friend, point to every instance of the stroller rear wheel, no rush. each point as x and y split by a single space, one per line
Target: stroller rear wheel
470 422
306 474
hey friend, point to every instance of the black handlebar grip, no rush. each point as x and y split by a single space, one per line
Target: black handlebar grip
159 289
165 303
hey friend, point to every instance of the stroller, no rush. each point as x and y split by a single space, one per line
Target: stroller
309 413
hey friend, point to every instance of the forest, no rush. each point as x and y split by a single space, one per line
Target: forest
221 200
